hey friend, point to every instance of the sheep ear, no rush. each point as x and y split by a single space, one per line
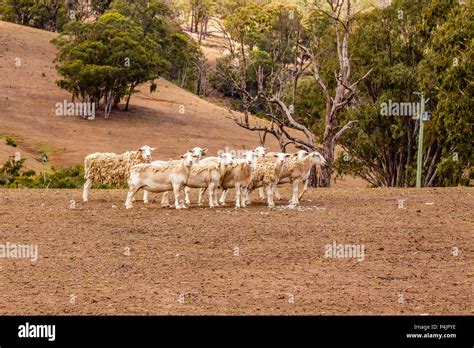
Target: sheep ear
204 151
182 156
152 149
295 154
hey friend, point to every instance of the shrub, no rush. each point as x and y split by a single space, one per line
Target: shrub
10 141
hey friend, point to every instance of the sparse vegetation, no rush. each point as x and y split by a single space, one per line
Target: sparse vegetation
13 175
10 141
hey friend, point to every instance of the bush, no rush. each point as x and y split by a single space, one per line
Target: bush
12 176
10 141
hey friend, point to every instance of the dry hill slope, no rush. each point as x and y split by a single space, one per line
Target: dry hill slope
28 96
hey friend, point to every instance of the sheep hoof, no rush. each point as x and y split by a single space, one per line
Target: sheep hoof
128 206
292 206
145 202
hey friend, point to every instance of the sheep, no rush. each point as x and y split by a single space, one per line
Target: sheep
110 168
238 176
267 174
208 175
172 175
296 169
196 152
300 154
260 151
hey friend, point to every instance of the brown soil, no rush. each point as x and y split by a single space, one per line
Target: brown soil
190 255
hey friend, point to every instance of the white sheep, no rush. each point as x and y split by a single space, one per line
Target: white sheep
208 174
196 152
238 176
111 168
300 154
260 151
296 169
171 175
266 174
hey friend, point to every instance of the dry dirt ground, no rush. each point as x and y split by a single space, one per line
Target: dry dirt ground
98 258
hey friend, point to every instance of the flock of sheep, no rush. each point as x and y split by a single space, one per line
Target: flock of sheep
257 169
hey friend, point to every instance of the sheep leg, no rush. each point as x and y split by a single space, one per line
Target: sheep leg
211 194
131 193
247 193
145 196
201 193
223 196
176 189
305 187
215 196
294 198
277 194
246 199
271 203
85 192
237 195
261 194
165 202
186 195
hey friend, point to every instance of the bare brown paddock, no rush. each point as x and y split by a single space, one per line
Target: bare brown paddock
247 261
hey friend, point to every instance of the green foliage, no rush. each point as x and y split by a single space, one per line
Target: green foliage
111 55
448 72
58 178
10 141
99 7
182 55
411 46
10 170
50 15
150 15
12 176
